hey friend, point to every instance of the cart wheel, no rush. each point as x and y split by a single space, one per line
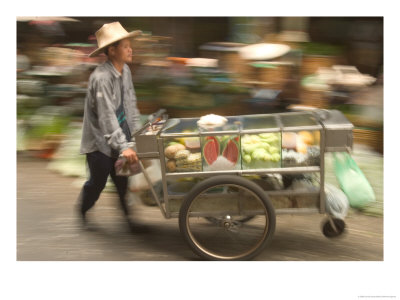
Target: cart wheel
230 238
214 220
329 231
239 219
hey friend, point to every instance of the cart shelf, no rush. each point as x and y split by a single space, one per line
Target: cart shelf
292 170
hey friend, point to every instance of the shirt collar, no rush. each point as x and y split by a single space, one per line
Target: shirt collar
113 70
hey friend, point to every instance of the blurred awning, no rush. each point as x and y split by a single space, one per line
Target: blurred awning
46 19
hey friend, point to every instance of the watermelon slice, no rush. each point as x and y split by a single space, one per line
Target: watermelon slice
211 149
231 151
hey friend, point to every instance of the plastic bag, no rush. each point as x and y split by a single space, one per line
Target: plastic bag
138 182
337 203
124 168
352 181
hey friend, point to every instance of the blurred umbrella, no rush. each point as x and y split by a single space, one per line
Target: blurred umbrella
46 19
48 26
263 51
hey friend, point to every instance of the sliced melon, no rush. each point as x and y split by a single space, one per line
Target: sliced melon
231 151
211 150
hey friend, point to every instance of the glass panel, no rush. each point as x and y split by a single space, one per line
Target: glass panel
294 120
233 124
188 125
221 153
301 148
182 154
258 122
261 151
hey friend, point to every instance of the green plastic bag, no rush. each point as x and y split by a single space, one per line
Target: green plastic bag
352 180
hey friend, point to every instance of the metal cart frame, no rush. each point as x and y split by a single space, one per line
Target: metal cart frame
335 135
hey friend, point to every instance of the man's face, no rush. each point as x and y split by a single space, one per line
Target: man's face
123 52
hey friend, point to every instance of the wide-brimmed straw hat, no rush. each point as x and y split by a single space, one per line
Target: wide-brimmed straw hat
111 33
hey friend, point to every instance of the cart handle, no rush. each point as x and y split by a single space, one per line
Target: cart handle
156 115
321 114
153 118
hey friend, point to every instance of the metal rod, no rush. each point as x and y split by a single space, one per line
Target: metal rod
255 131
279 211
180 135
163 177
148 155
293 193
301 128
299 192
148 179
226 212
293 113
242 131
294 211
218 133
322 172
279 122
309 169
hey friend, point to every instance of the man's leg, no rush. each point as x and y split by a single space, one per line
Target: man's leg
100 166
121 183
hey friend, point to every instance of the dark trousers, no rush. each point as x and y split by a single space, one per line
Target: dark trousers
100 167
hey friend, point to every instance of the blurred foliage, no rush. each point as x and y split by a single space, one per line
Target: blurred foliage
47 121
313 48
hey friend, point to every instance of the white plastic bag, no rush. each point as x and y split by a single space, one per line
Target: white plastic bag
337 203
211 121
138 182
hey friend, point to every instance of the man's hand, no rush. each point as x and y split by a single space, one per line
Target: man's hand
130 155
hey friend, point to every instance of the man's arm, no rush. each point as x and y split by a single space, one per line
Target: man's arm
108 122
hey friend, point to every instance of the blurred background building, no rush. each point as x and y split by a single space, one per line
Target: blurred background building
198 65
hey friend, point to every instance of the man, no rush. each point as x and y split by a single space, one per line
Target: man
110 116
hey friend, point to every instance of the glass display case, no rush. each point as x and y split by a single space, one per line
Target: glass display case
301 138
220 146
181 142
243 143
260 142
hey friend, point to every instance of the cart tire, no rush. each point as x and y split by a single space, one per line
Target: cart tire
330 232
230 238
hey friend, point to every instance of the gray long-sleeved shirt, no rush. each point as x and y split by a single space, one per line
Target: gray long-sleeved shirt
101 130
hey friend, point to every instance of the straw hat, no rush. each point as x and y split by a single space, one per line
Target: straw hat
109 34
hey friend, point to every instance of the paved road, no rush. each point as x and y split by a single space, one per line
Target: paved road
47 229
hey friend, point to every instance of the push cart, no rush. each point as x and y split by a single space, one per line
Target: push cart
227 183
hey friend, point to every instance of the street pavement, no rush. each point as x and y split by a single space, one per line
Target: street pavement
48 228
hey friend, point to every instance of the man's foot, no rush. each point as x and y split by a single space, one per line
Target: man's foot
82 218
